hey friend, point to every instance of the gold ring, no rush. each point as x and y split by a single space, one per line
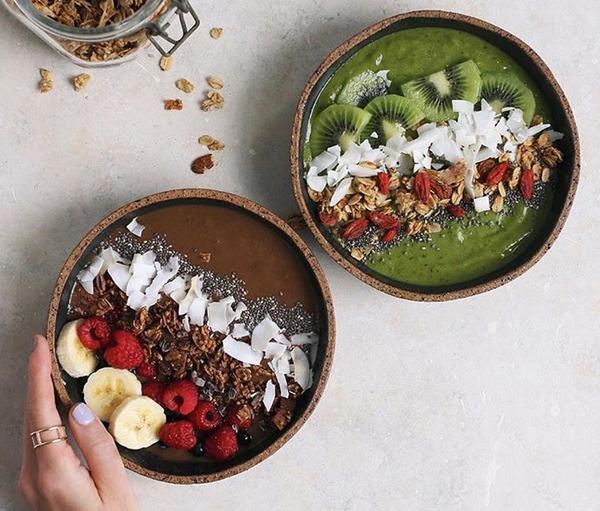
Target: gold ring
58 434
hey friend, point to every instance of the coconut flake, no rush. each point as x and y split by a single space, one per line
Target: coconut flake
135 227
283 363
269 396
283 386
266 330
185 321
301 368
163 275
274 350
481 204
119 272
241 351
197 310
110 257
221 314
282 339
341 191
239 331
304 338
315 181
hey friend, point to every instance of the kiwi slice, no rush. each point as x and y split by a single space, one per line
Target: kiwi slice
434 93
337 124
360 89
504 89
391 115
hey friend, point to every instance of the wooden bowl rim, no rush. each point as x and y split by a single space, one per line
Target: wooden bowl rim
297 170
276 223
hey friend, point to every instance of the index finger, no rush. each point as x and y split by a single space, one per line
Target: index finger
40 407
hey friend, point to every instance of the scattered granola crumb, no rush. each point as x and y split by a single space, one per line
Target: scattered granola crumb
202 164
204 256
46 83
212 143
216 32
213 99
80 81
165 63
296 222
173 104
215 82
184 85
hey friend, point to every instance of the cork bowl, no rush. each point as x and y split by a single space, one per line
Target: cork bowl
563 121
167 464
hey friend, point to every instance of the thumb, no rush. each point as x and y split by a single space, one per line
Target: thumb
99 450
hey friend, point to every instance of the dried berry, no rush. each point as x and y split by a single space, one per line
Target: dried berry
456 211
383 183
354 229
383 221
390 235
497 174
422 186
526 184
484 167
328 219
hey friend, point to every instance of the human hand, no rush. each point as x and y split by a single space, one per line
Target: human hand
52 476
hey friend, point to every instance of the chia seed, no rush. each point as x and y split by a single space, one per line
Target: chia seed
293 320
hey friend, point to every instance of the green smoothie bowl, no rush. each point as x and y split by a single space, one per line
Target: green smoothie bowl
434 156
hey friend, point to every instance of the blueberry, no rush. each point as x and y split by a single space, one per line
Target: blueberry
244 438
198 450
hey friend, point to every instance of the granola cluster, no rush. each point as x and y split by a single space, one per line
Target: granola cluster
179 354
412 205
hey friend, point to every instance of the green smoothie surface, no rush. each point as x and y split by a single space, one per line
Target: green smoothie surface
462 251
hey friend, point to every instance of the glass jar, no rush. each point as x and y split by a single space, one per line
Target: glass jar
164 23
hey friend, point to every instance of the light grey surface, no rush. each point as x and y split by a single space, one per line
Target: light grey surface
487 403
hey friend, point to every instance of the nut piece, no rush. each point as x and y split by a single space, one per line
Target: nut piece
173 104
184 85
46 83
216 32
165 63
213 100
212 143
202 164
215 82
204 256
81 81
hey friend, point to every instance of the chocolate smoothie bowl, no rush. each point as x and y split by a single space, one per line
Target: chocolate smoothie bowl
199 327
434 156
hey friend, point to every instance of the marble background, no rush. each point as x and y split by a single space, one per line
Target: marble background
487 403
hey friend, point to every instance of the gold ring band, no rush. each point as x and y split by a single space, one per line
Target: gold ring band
59 434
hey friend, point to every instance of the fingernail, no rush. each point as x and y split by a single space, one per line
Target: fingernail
83 415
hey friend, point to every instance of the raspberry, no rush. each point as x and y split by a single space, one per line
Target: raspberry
240 416
94 333
205 416
126 352
154 390
222 444
178 435
146 370
181 397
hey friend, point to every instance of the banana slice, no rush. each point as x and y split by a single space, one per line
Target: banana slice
107 388
136 422
74 357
